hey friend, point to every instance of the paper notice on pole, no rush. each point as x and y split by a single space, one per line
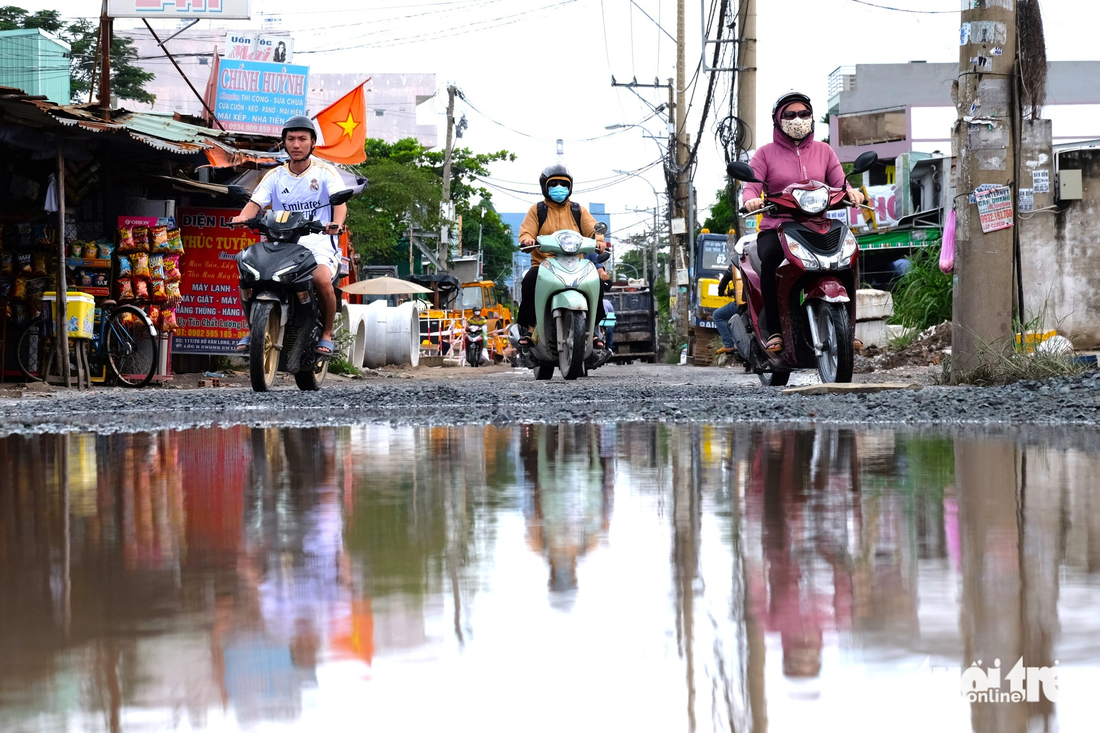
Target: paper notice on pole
1027 199
1040 181
995 208
979 189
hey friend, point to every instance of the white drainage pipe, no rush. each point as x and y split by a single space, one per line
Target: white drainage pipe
391 336
353 318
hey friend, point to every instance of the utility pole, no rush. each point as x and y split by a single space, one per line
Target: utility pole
684 240
984 144
444 239
106 33
746 66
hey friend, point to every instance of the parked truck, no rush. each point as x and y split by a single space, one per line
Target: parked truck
635 324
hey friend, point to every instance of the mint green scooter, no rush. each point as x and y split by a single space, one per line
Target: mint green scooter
566 298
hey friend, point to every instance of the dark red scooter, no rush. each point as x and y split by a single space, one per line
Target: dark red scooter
816 284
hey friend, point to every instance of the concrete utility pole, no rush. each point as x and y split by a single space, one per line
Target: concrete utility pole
746 68
444 239
683 241
106 31
984 144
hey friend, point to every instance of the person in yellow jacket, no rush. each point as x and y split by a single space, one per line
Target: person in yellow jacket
554 213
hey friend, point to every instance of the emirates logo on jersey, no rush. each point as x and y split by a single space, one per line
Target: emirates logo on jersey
314 185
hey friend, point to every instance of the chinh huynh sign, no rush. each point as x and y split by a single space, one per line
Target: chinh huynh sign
220 9
257 97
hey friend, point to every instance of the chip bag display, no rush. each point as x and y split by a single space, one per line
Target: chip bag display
141 239
125 287
105 249
141 289
154 314
141 265
85 278
175 242
156 267
19 314
20 288
76 250
99 280
158 291
125 266
168 322
6 285
174 295
24 263
159 240
172 269
7 263
126 240
41 264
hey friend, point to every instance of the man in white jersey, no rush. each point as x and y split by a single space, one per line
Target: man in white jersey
305 184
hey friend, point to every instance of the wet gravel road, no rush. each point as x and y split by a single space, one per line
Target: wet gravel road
500 396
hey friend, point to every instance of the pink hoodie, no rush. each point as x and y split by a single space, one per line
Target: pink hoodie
781 163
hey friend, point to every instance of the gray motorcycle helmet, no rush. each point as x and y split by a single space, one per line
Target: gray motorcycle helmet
299 122
791 95
554 171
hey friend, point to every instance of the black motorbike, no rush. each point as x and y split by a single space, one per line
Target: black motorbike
279 299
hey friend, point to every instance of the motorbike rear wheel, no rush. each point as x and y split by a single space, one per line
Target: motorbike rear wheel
775 379
473 355
263 356
571 351
835 331
545 370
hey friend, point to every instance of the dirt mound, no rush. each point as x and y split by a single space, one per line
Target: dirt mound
929 349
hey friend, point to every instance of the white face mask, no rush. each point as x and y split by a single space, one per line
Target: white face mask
797 128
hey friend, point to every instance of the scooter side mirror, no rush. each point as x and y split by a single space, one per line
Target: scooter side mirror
601 227
741 172
865 161
341 197
603 257
239 194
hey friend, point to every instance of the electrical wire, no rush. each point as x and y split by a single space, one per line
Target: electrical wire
905 10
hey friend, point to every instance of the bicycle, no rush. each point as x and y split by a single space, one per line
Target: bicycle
125 341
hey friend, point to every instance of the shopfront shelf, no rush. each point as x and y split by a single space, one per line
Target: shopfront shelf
96 292
90 264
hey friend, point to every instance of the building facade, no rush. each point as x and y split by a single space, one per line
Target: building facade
36 62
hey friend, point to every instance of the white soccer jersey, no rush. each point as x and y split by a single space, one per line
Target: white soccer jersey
284 191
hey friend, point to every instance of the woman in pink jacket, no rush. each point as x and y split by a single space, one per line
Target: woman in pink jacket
791 157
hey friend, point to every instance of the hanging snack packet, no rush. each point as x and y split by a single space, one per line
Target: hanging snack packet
141 239
19 314
156 267
158 292
86 278
41 265
159 237
128 318
6 285
141 265
141 289
125 288
174 295
126 240
76 250
105 250
7 263
20 288
99 280
172 269
175 241
24 263
168 322
154 314
125 266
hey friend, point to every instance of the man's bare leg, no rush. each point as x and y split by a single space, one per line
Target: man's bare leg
322 281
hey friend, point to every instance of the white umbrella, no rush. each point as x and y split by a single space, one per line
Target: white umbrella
384 286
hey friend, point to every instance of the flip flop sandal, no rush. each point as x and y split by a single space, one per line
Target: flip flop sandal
774 345
325 344
243 344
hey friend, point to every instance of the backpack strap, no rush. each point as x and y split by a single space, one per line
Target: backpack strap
576 209
543 212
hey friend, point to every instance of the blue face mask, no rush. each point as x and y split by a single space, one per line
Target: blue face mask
558 193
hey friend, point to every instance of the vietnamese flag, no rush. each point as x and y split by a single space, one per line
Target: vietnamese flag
343 124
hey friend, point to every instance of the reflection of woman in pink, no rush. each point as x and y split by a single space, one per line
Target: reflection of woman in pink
796 602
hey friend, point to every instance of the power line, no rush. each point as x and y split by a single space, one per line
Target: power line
905 10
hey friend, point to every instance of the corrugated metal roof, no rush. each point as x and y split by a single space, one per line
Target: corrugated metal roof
167 128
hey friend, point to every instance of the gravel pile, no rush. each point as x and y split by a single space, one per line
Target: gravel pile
930 348
632 393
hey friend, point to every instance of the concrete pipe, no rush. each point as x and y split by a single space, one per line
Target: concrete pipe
353 318
375 319
403 335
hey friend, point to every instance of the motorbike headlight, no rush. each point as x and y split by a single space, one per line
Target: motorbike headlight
569 242
279 273
245 266
850 246
808 258
813 201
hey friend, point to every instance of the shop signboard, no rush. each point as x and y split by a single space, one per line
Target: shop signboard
256 97
258 47
210 317
212 9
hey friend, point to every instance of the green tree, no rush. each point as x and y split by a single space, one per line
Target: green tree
497 245
722 215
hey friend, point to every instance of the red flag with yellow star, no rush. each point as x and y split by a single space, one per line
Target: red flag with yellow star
343 125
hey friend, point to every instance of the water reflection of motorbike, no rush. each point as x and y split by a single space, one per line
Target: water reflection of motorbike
802 505
568 504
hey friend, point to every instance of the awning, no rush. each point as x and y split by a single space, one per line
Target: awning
899 238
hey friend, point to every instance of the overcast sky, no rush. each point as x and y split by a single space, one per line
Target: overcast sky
543 68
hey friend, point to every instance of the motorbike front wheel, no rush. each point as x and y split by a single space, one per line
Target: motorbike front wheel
574 325
263 354
473 355
835 330
311 380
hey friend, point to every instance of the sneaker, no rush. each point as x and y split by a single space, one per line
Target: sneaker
725 350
